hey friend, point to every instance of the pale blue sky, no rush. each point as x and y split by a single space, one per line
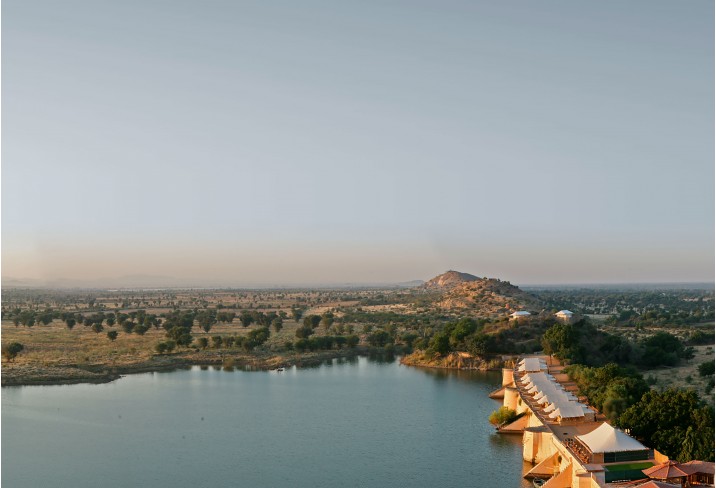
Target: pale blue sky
284 142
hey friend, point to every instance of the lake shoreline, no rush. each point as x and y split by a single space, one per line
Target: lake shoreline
26 374
456 361
29 375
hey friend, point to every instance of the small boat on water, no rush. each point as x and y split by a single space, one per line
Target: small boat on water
279 370
538 482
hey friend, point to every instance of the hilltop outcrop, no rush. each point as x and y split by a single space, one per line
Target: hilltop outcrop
449 279
463 292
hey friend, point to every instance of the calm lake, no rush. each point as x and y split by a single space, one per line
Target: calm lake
358 422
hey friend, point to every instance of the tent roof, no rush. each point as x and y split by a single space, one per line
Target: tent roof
606 438
704 467
667 470
568 411
532 364
521 313
564 312
656 484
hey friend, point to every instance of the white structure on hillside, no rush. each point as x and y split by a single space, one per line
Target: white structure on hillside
565 315
519 315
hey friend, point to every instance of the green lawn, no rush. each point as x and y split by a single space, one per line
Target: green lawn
629 466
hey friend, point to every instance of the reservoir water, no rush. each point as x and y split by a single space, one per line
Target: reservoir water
358 422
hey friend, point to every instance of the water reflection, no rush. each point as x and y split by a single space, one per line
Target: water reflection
381 357
203 427
505 441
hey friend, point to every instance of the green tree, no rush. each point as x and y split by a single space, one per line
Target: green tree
379 338
140 329
480 344
180 336
277 324
202 342
258 336
675 422
296 313
246 318
327 320
440 343
664 349
561 340
97 327
610 389
112 335
707 368
304 332
311 321
461 330
10 351
206 319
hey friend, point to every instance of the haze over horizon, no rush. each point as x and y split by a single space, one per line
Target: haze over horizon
371 142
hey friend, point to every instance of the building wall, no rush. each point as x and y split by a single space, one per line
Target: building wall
508 377
537 446
511 397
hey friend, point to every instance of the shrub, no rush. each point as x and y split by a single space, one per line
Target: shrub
706 368
10 351
502 416
140 329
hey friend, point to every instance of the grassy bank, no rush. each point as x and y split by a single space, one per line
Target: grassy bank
54 354
455 360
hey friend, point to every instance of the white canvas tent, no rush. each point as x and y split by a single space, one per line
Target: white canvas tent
571 410
520 314
531 364
606 438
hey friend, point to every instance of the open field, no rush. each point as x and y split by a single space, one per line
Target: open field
404 316
55 354
686 375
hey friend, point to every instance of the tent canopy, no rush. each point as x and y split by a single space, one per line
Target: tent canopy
703 467
568 411
606 438
531 364
667 470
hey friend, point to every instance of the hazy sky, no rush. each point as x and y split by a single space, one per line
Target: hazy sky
287 142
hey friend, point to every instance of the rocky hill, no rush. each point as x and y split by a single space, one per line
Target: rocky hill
463 292
450 279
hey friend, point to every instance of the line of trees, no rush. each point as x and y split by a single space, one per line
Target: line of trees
583 343
610 388
675 422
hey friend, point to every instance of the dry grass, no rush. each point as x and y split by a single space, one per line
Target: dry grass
56 354
678 376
